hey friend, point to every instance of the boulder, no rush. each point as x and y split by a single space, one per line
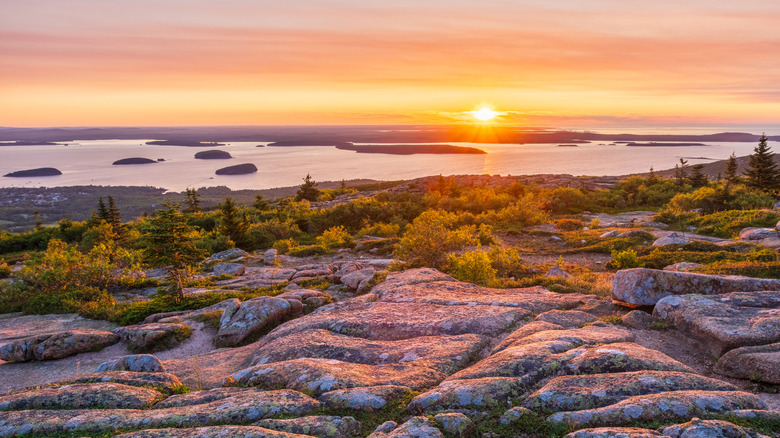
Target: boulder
143 363
445 353
557 272
321 426
212 432
318 376
454 424
638 319
608 234
415 427
367 399
260 278
144 338
163 382
485 393
697 428
242 408
752 233
727 321
357 280
682 266
672 239
566 318
234 269
205 396
575 393
252 317
226 255
614 432
56 345
82 396
759 363
269 257
666 406
644 287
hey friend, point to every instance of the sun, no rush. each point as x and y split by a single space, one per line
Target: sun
484 114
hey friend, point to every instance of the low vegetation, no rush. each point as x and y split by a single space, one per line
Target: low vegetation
485 235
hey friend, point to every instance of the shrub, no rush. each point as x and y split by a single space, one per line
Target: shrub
380 229
286 245
335 237
506 262
5 270
473 267
729 223
431 237
569 224
306 251
624 260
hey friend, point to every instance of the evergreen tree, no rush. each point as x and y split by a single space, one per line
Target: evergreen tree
681 172
38 222
102 211
731 169
169 241
231 224
652 177
762 173
308 190
193 201
698 177
260 203
115 220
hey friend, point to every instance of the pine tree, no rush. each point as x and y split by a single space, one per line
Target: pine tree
38 222
731 170
762 173
102 211
232 225
681 172
698 178
115 220
260 203
652 177
308 190
169 241
193 201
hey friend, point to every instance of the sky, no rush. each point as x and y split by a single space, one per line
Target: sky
261 62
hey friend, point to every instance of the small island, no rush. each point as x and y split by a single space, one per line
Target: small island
238 169
41 171
568 146
410 149
213 155
310 143
184 143
134 160
30 143
656 144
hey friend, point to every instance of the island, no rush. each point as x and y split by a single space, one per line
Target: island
213 154
410 149
30 143
238 169
656 144
184 143
134 160
568 146
41 171
310 143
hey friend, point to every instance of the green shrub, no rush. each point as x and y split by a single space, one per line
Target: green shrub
569 224
624 260
745 268
729 223
285 245
335 237
380 229
306 251
473 267
432 236
507 262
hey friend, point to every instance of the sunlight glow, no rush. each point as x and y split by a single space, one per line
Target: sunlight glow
484 114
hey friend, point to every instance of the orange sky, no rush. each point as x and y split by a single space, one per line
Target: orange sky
238 62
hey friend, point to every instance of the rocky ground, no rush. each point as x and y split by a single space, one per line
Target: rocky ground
413 354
